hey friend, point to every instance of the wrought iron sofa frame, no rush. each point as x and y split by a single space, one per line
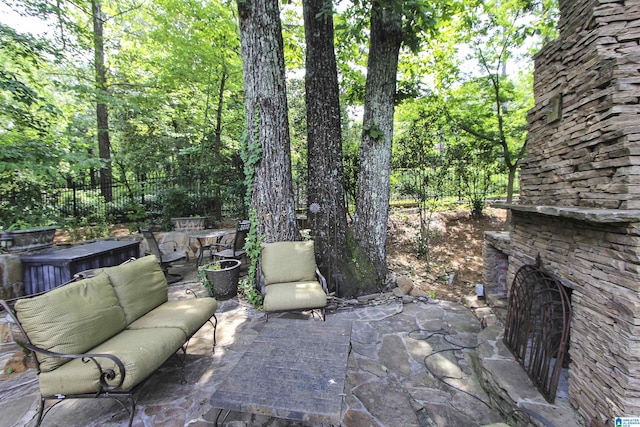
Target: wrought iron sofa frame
108 388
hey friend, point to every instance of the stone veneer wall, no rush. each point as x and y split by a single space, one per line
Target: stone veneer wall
11 283
495 262
601 263
589 156
579 187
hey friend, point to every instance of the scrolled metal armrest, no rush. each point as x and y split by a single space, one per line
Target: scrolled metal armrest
322 280
107 375
172 242
190 291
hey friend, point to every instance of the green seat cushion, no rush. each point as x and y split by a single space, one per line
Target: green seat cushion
140 286
294 296
288 262
72 318
140 352
186 314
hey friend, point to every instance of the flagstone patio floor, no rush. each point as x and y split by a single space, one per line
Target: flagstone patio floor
410 364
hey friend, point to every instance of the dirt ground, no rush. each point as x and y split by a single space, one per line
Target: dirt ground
450 262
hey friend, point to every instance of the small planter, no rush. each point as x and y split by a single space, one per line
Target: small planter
188 223
223 280
30 239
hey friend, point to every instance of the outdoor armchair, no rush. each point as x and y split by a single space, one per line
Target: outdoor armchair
233 249
289 278
165 258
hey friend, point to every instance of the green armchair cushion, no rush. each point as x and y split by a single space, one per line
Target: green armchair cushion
140 352
140 286
294 296
187 315
288 262
52 325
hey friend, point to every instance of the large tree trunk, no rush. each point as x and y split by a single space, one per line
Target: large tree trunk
372 205
102 113
267 121
326 200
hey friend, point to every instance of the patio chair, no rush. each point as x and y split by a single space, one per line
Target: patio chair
289 278
233 249
165 258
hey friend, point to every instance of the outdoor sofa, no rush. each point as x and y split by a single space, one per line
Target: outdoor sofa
104 335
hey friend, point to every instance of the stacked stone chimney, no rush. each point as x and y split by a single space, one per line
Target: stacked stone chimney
584 132
579 204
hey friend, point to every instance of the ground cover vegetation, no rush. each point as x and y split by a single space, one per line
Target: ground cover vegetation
355 102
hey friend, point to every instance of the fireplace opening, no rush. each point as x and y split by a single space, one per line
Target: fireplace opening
537 327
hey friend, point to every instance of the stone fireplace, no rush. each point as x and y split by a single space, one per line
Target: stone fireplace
579 206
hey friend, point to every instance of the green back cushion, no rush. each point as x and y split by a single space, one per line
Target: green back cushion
284 262
140 286
73 318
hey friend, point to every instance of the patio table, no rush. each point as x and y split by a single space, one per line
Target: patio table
294 369
204 236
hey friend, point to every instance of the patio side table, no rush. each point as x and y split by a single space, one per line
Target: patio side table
203 237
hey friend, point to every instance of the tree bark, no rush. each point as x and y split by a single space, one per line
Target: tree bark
372 205
267 120
102 112
326 199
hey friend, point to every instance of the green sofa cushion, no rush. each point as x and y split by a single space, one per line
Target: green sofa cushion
141 353
140 286
294 296
288 262
186 314
72 318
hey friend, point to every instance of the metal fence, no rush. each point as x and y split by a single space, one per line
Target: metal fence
142 198
411 186
152 197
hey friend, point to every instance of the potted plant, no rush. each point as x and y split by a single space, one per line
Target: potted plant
24 236
220 278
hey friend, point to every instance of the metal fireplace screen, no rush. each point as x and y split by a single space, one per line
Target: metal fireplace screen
537 326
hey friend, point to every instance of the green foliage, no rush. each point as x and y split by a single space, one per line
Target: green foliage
89 206
177 202
29 154
374 131
82 229
176 100
421 150
475 169
251 293
132 212
202 275
21 201
350 162
251 155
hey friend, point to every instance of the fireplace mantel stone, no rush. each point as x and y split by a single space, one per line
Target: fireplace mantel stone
594 215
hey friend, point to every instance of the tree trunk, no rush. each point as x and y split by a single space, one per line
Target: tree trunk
102 113
217 142
326 199
372 205
267 121
513 168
